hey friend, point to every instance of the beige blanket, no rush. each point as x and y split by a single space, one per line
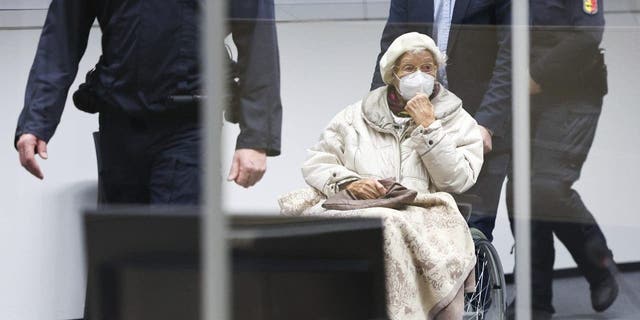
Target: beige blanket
428 250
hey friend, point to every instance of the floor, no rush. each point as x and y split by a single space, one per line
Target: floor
571 299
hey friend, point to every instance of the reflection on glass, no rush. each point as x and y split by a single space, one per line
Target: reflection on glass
145 83
568 81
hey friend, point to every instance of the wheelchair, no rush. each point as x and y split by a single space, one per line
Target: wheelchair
489 299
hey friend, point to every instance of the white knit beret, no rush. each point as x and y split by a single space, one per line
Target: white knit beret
404 43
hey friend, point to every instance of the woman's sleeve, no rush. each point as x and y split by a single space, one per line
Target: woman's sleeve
324 168
452 156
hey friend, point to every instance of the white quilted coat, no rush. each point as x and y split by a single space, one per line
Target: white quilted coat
363 141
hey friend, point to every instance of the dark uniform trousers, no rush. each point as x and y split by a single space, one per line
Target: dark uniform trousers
562 131
152 159
565 61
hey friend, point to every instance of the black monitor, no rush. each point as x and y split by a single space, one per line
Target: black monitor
143 263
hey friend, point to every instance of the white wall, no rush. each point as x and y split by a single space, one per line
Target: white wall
286 10
296 10
42 272
325 66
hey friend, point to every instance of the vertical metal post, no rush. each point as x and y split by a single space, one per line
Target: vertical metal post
521 156
213 231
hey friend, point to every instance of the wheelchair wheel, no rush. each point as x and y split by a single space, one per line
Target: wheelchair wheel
489 299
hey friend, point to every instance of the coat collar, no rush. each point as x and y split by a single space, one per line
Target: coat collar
375 108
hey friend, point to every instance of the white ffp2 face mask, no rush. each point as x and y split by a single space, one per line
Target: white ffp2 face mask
414 83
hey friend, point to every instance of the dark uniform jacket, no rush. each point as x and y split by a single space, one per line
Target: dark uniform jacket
150 51
479 53
565 40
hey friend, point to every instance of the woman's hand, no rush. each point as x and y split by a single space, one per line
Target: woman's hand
421 110
365 189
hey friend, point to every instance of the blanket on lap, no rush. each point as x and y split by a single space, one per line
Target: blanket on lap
428 251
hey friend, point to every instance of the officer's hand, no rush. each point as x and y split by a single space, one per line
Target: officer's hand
248 166
534 87
421 110
366 189
487 144
28 146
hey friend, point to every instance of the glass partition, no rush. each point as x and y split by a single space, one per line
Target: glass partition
551 82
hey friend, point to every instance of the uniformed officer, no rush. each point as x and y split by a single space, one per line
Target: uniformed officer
567 84
149 134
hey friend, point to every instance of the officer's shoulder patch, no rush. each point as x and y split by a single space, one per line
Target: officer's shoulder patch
590 6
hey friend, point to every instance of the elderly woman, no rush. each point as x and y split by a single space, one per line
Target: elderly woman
415 131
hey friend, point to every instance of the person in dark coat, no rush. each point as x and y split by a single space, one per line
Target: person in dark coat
146 88
568 80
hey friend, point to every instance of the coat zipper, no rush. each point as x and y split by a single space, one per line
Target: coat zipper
399 142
